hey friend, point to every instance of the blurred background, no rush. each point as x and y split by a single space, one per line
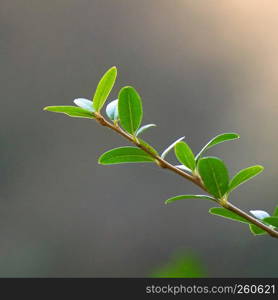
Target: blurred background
201 67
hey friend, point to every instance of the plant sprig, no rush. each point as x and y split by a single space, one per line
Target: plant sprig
207 172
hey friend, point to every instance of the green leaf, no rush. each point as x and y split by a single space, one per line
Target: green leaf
275 213
104 88
124 155
85 104
173 199
143 128
185 155
130 109
71 111
244 175
146 145
168 149
273 221
225 213
214 175
256 230
112 110
217 140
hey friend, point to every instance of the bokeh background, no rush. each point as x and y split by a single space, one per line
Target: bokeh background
201 67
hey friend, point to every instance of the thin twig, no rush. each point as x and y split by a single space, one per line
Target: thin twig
194 179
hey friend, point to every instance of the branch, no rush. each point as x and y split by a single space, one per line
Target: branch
194 179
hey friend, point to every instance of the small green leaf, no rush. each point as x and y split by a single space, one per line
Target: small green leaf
168 149
173 199
225 213
273 221
256 230
104 88
130 109
275 213
146 145
112 110
214 175
143 128
124 155
185 155
85 104
217 140
244 175
71 111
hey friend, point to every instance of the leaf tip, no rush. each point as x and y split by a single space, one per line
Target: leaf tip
114 70
237 136
126 87
99 161
211 210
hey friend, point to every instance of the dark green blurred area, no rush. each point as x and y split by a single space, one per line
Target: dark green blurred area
181 265
201 68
